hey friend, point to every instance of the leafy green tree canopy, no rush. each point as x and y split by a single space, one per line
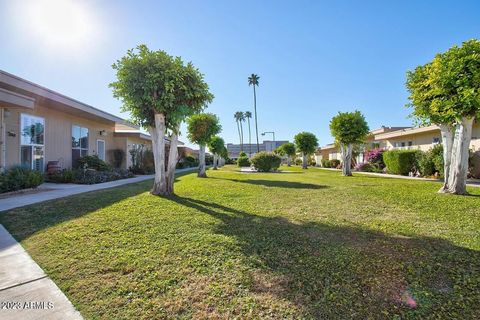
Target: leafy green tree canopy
306 142
216 145
150 82
202 127
447 89
288 149
349 127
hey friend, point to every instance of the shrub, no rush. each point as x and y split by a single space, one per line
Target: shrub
93 176
93 162
400 161
266 161
298 162
63 176
18 178
188 162
334 163
431 162
326 163
242 160
437 158
312 162
368 167
375 156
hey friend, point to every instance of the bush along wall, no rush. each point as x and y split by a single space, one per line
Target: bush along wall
89 170
18 178
400 161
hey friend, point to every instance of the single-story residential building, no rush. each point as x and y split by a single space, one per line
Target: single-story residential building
331 151
423 138
38 125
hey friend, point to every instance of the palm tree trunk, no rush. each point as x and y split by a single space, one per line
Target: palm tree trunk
239 136
241 133
255 109
249 139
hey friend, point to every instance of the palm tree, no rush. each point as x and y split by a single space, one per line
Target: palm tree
253 81
248 116
239 117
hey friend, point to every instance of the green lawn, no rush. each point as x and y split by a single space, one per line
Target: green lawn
296 244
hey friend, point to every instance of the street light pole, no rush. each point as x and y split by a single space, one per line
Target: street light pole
273 134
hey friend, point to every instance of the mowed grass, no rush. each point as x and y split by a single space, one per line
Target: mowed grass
297 244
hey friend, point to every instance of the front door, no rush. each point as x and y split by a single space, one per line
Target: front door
101 149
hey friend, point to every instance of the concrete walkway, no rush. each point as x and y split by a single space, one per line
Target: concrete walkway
470 182
50 191
26 292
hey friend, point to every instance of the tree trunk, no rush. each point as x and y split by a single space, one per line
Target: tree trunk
201 166
255 109
459 164
172 162
447 141
215 164
249 140
346 159
158 144
304 161
289 161
241 135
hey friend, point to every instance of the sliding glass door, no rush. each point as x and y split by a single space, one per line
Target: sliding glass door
32 142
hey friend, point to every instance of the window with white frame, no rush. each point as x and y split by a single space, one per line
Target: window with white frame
32 142
79 143
436 140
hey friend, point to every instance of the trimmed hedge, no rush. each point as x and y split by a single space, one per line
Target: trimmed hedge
266 161
88 176
243 160
18 178
400 161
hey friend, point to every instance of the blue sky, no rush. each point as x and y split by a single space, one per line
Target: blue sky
314 58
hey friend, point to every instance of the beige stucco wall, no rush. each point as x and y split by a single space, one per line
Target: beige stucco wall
424 141
58 135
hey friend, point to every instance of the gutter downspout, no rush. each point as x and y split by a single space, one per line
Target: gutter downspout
2 140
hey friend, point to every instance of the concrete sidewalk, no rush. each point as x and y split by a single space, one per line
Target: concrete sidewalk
26 292
470 182
50 191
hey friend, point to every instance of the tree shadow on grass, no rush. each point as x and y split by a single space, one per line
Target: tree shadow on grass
343 272
25 221
277 183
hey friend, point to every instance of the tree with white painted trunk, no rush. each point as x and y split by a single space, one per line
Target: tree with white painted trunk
216 146
446 92
160 92
306 143
348 129
201 128
288 150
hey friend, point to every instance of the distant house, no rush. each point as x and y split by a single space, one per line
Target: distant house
38 125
